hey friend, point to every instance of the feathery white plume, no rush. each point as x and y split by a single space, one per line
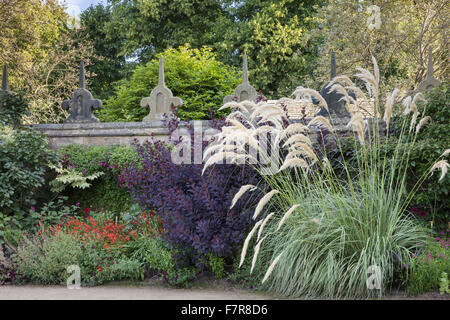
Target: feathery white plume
294 162
247 241
294 128
300 148
286 215
376 70
266 219
300 91
299 137
303 151
388 106
270 269
446 152
221 156
256 250
344 79
321 120
241 192
263 202
443 166
407 105
357 123
422 122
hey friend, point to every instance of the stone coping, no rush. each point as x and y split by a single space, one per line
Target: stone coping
123 133
144 125
111 125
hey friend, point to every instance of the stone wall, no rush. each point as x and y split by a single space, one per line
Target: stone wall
112 133
124 133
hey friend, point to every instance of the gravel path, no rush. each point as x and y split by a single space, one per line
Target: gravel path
30 292
149 292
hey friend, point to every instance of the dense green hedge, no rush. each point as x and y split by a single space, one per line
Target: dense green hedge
105 193
434 196
191 74
24 155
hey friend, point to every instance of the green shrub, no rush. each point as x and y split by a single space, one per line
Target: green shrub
154 253
50 214
24 155
44 260
217 265
104 192
12 108
444 284
428 266
433 196
191 74
151 250
71 177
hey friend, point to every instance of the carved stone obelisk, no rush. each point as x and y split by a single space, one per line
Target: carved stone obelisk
5 84
161 98
5 81
82 103
244 91
430 81
335 101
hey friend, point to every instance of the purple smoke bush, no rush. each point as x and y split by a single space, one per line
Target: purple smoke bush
194 208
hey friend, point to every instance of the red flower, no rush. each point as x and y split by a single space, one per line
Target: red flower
87 210
99 268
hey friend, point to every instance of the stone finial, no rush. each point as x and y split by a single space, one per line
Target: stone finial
245 69
82 82
335 101
5 84
5 81
430 81
333 65
161 98
161 79
82 103
244 91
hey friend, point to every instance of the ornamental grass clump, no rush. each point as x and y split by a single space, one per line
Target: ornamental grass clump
326 233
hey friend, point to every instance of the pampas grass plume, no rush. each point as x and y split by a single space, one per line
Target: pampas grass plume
269 271
286 215
240 193
263 202
247 241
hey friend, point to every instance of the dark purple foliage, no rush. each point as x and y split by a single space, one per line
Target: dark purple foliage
194 208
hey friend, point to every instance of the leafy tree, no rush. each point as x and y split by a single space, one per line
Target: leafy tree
151 26
400 44
43 55
191 74
110 65
273 33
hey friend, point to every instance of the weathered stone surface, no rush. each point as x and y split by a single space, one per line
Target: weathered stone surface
244 91
335 101
124 133
5 84
430 81
82 103
5 81
161 98
113 133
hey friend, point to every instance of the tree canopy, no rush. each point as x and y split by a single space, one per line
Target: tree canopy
43 54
